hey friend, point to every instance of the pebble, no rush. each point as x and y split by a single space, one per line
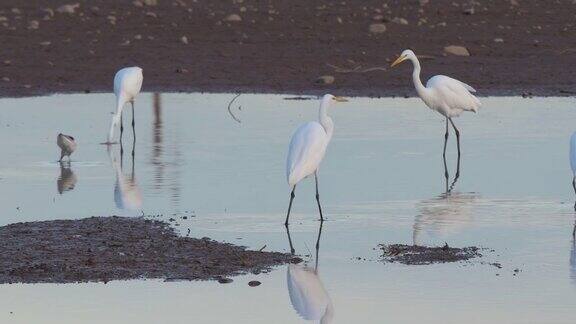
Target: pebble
33 24
68 8
233 18
224 280
377 28
325 79
498 40
457 50
400 21
184 40
254 283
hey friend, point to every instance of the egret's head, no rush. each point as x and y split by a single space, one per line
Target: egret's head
328 98
406 55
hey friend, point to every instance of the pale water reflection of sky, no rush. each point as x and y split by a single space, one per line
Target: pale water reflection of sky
380 183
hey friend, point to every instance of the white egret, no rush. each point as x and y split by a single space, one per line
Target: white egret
447 96
127 85
307 148
67 145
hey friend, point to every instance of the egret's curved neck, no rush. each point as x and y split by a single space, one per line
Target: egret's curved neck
420 88
325 120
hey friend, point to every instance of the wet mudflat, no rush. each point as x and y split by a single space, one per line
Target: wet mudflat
118 248
382 182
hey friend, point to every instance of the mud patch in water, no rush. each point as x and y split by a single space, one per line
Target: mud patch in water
119 248
420 255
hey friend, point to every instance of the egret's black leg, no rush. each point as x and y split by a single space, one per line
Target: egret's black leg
121 155
121 127
457 136
318 197
289 206
292 251
133 123
445 140
446 175
318 245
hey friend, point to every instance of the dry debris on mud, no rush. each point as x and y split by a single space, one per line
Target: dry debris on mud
420 255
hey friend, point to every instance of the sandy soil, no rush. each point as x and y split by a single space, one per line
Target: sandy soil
515 46
119 248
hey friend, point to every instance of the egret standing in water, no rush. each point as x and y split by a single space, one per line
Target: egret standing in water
127 85
307 148
443 94
67 145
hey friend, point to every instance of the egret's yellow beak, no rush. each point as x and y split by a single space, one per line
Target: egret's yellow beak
340 99
398 61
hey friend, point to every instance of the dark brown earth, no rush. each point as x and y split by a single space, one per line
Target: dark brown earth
118 248
420 255
516 46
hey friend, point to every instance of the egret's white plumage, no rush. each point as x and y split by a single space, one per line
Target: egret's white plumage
447 96
127 85
67 145
307 148
308 295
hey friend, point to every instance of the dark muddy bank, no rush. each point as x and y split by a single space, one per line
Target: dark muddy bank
421 255
515 47
117 248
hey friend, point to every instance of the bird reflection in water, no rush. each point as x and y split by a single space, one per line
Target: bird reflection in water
67 179
444 214
127 195
573 167
450 187
308 296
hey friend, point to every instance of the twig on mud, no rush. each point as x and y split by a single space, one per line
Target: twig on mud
230 111
357 69
567 50
262 248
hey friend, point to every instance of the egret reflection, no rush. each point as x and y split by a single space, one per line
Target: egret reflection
67 179
127 194
444 214
308 296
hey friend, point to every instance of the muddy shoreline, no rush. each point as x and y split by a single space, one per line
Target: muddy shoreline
101 249
516 47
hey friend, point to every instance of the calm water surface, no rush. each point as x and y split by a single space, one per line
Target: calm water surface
382 182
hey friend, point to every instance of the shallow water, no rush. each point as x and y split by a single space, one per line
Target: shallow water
382 182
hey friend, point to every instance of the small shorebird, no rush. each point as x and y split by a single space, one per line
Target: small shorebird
127 85
447 96
307 148
67 145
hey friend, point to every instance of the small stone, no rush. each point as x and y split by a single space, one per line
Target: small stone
184 40
468 11
68 8
2 19
326 79
33 24
224 280
7 62
233 18
138 3
46 43
16 11
151 3
138 36
377 28
498 40
400 21
6 79
457 50
151 14
254 283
